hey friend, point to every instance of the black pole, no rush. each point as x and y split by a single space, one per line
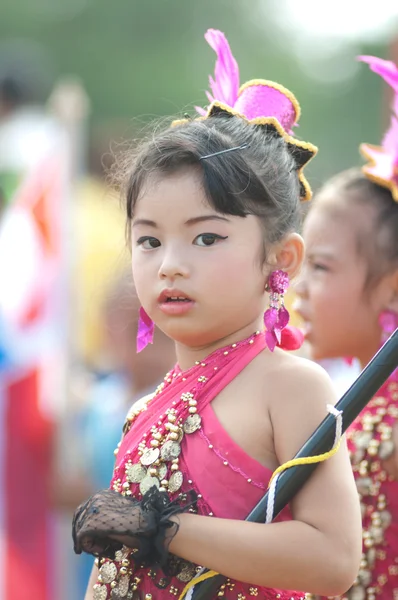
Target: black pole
292 480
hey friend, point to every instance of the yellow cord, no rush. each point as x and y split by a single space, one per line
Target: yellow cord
307 460
195 580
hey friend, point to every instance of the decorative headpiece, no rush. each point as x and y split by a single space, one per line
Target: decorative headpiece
382 167
260 102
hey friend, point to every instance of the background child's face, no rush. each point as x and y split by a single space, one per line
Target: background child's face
340 318
212 259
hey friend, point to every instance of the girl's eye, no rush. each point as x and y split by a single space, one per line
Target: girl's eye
148 242
208 239
319 267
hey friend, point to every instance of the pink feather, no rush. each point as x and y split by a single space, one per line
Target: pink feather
385 68
225 85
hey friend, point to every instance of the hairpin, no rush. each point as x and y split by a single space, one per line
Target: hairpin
242 147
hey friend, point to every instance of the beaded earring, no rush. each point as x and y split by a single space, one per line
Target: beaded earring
276 317
146 328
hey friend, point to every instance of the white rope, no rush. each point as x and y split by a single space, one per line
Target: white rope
190 592
338 414
271 500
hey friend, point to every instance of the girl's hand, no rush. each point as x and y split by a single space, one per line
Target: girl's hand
108 521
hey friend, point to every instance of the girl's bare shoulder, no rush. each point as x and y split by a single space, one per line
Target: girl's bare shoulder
295 382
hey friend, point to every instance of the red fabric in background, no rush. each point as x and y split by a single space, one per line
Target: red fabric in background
26 490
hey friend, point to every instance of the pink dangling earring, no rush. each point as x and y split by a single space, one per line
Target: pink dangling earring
146 328
388 321
276 317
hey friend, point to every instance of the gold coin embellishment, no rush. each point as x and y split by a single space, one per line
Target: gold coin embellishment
170 450
123 586
386 449
363 485
149 456
147 483
362 439
100 592
192 423
135 473
175 481
121 554
357 593
108 572
162 471
386 518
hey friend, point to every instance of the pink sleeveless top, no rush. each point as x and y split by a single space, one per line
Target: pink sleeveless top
176 442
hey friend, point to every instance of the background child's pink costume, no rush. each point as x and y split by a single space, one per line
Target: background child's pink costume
369 442
228 481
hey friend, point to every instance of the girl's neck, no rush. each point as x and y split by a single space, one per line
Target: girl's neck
188 355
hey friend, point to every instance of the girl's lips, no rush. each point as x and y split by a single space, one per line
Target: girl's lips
172 294
176 307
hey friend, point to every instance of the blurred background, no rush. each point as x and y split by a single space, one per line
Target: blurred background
78 78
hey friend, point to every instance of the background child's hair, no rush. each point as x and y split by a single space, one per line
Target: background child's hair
260 179
380 248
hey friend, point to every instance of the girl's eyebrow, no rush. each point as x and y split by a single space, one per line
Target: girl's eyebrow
192 221
321 254
147 222
203 218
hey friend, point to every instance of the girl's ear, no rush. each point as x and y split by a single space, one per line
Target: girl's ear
290 254
393 283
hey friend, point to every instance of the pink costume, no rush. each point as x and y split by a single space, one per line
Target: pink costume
369 442
175 441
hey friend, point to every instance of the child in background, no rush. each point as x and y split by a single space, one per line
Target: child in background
349 301
213 208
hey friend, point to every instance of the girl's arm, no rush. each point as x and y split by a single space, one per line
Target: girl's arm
92 581
319 551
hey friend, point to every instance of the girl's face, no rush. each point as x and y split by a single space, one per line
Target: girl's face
340 317
198 273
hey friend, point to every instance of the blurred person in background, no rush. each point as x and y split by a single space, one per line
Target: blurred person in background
31 320
349 302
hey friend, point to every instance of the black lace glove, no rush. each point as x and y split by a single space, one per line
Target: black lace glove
108 521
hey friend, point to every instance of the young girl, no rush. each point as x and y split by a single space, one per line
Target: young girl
349 301
213 208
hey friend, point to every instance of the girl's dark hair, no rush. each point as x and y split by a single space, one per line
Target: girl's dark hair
380 248
260 179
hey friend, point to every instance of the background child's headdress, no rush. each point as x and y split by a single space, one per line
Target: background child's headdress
260 102
382 167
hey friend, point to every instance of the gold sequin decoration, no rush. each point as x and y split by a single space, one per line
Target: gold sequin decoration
357 593
187 572
100 592
192 423
170 450
150 456
135 473
108 572
147 483
175 481
162 471
386 449
123 586
121 554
